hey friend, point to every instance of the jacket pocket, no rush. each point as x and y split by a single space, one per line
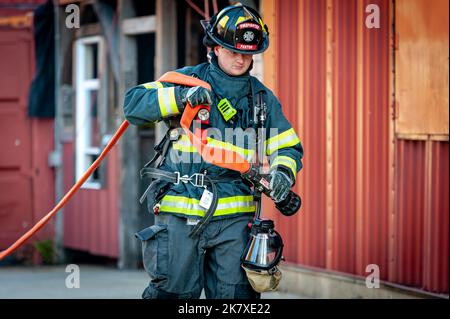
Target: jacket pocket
155 251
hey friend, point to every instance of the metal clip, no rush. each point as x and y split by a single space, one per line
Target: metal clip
199 180
184 178
174 134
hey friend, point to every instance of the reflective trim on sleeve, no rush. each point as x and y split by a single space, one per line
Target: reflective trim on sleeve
286 139
167 102
287 162
153 85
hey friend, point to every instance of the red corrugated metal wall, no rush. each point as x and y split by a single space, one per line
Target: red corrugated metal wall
363 190
422 214
95 209
436 267
410 182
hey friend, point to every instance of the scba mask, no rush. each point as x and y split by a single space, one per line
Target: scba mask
262 255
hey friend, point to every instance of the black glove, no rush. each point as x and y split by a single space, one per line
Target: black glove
196 95
280 183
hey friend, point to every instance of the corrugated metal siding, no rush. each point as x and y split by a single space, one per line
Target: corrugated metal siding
288 66
373 140
362 203
91 218
422 215
410 182
343 142
436 264
312 116
327 221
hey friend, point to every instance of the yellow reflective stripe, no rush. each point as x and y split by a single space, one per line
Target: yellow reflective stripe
190 206
240 19
181 210
262 26
167 102
184 148
286 139
229 211
286 161
153 85
184 145
247 153
223 21
223 200
232 199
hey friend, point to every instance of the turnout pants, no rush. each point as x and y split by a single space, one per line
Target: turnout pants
180 267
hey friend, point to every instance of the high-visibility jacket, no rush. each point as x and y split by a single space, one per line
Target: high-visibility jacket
155 101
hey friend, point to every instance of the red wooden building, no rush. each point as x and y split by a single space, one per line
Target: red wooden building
26 180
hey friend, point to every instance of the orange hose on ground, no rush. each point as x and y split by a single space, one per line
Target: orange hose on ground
66 197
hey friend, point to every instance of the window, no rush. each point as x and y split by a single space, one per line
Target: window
88 116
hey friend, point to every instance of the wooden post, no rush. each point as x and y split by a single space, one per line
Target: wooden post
129 246
166 46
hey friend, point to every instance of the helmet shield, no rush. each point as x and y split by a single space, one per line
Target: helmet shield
248 35
237 28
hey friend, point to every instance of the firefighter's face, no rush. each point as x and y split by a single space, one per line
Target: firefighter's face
232 63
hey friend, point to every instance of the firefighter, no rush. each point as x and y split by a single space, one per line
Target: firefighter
180 265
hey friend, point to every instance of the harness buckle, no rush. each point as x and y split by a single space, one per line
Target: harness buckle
196 179
199 180
184 178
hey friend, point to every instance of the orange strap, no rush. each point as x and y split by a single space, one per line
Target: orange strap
217 156
210 154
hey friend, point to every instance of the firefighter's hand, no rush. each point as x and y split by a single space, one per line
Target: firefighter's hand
280 184
196 95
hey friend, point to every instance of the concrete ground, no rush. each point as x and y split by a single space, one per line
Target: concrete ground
95 282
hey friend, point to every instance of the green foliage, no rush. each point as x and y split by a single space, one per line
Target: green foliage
46 249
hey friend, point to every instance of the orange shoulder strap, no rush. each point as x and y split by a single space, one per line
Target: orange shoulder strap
218 156
181 79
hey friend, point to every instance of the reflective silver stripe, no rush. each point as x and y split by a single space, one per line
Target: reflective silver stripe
286 161
167 102
153 85
286 139
190 206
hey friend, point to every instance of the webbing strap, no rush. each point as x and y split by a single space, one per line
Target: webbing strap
209 154
175 178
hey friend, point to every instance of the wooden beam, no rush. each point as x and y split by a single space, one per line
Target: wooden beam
87 30
129 247
166 37
19 21
166 45
139 25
